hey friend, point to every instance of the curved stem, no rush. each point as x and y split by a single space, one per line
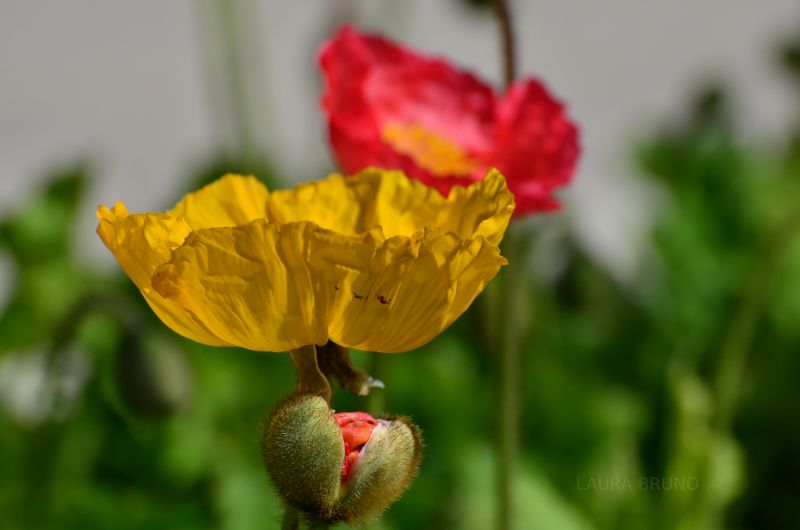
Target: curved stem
334 362
503 14
310 380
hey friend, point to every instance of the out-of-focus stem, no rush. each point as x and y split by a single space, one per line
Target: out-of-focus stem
511 298
376 406
503 15
291 519
732 363
510 304
229 18
376 400
221 32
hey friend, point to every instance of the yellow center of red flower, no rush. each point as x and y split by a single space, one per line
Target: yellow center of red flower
431 151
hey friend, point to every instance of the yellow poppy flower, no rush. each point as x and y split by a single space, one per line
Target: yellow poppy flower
375 261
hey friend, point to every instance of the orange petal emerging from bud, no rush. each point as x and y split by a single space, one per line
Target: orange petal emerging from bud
356 429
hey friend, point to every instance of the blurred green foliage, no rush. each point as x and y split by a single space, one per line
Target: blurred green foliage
665 402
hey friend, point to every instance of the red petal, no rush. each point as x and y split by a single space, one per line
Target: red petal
536 146
356 430
371 82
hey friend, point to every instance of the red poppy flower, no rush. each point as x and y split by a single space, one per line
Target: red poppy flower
388 106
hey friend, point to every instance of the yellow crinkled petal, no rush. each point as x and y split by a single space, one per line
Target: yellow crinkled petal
412 290
142 242
482 209
267 286
232 200
262 285
402 206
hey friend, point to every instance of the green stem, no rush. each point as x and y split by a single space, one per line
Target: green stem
733 357
225 58
732 364
291 519
376 400
376 406
229 19
511 298
510 305
310 380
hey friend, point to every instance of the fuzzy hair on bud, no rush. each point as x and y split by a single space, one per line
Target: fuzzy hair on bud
387 466
303 451
304 448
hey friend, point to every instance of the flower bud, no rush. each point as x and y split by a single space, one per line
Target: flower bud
303 453
382 470
338 467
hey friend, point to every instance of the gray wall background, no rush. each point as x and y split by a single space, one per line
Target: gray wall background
131 86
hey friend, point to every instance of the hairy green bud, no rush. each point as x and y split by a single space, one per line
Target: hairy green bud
303 453
338 466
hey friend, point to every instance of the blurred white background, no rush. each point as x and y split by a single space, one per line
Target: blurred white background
134 87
